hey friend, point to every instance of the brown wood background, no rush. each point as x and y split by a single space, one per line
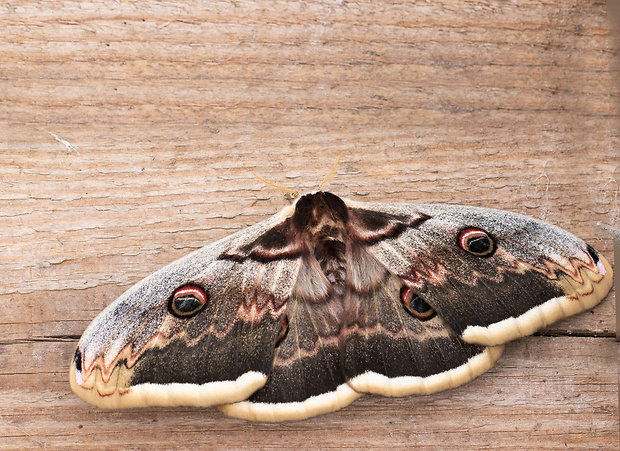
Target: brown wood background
168 107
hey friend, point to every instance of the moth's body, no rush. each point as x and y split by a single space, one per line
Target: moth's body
329 299
322 222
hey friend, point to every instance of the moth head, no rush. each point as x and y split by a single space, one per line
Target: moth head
187 301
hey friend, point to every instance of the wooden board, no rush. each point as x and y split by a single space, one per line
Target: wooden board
130 132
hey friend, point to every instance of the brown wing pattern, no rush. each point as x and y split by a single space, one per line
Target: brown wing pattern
303 313
534 275
137 352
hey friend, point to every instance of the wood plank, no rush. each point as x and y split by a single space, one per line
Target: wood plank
544 393
171 106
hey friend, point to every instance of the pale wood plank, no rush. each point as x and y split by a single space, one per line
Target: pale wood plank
173 105
544 393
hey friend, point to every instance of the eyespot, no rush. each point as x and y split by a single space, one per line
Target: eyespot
415 305
477 242
77 357
593 253
283 331
597 260
187 301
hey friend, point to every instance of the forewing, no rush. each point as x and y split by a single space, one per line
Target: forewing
535 274
136 352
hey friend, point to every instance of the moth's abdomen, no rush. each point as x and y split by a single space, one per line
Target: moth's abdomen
321 219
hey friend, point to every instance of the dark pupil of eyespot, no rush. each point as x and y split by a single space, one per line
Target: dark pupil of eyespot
419 305
78 360
186 304
593 254
479 244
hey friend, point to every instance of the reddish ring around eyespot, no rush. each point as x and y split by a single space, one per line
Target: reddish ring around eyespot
283 331
477 242
187 301
415 305
190 290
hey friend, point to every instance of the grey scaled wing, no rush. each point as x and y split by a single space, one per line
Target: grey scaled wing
138 353
303 313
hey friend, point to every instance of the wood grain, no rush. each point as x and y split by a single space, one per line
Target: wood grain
167 108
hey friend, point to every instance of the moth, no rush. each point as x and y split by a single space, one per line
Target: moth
302 313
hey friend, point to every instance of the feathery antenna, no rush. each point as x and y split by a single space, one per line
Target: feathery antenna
290 192
331 172
295 194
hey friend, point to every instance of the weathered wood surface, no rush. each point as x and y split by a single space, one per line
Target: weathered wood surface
170 106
